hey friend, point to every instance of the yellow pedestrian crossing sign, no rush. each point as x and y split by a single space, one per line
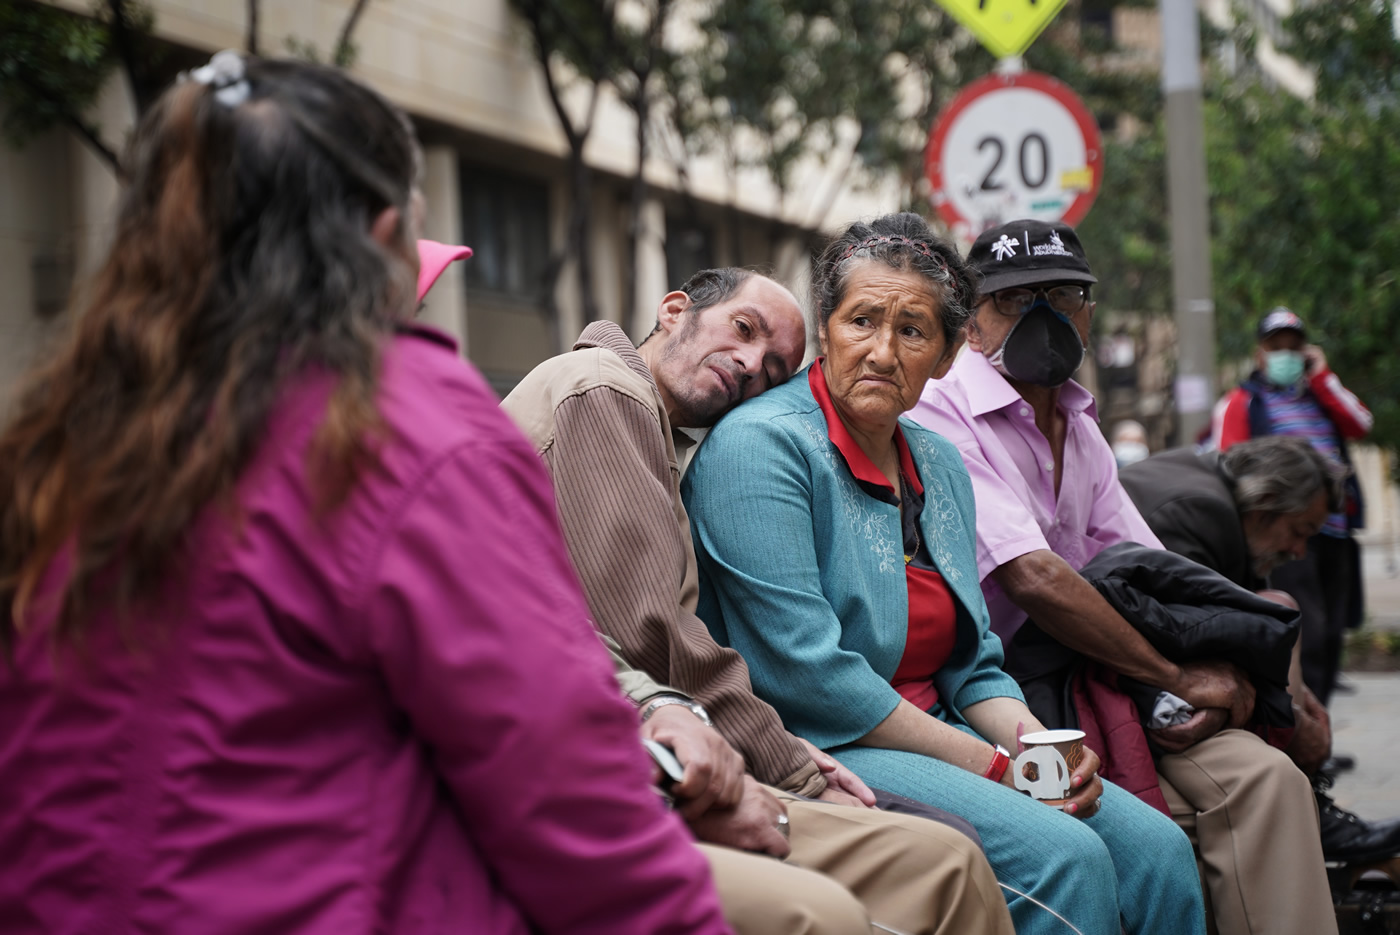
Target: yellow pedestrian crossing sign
1005 27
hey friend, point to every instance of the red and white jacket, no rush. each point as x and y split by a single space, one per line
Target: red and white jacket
1231 422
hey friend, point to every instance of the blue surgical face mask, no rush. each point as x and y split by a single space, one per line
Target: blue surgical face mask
1283 368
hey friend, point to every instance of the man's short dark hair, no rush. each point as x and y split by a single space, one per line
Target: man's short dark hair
711 287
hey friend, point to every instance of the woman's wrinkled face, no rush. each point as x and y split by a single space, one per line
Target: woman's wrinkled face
883 343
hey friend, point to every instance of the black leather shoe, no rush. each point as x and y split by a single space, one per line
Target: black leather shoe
1349 838
1339 763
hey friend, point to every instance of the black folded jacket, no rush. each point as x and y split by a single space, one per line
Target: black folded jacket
1189 612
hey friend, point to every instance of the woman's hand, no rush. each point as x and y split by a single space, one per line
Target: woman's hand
1086 788
839 779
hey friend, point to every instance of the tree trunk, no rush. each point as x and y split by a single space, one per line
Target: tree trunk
343 56
635 205
580 233
250 43
143 91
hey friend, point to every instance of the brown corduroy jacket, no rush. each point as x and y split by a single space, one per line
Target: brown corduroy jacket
597 419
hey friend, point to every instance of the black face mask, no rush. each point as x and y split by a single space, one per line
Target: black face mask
1042 348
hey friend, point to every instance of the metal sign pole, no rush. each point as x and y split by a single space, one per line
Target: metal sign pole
1190 219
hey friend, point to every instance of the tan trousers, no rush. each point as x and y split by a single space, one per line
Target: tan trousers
761 895
910 875
1252 817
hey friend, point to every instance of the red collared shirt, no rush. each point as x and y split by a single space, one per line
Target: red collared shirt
932 614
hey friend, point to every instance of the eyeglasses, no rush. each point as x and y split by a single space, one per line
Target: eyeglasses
1013 303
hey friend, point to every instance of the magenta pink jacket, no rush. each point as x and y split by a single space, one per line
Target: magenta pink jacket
397 720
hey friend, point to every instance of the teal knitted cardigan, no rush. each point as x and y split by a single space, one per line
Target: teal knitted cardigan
803 573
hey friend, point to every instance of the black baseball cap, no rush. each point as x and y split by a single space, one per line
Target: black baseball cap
1021 253
1281 319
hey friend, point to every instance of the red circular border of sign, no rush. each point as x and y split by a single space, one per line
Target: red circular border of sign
1088 126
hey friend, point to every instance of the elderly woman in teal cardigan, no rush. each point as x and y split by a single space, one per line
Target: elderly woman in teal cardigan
836 549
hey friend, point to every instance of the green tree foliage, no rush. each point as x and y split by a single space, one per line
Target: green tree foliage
53 65
1306 201
854 83
1126 235
789 72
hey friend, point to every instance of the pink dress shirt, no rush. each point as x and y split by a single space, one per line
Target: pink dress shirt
397 719
1013 477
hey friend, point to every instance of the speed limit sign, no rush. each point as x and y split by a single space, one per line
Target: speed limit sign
1013 146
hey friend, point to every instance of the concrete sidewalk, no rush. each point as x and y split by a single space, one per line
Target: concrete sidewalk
1367 726
1380 567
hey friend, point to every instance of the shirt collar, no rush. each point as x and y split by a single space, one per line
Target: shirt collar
609 336
987 390
418 329
857 460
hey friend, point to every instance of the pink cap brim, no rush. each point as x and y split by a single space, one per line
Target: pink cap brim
433 258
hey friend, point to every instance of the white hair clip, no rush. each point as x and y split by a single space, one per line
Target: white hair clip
225 73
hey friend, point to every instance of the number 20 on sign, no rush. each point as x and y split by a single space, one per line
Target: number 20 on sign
1013 146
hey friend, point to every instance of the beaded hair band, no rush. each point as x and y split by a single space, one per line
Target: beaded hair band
914 245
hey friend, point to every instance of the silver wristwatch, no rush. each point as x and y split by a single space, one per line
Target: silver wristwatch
662 700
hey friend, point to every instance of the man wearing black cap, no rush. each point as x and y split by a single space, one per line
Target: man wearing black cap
1291 392
1049 501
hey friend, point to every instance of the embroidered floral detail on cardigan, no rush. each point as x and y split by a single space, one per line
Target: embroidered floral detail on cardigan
945 518
860 509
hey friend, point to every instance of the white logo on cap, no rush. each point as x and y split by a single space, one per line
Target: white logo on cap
1005 247
1056 247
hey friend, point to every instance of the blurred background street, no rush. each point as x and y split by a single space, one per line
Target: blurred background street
1366 721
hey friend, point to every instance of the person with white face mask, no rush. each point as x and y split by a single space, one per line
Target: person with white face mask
1292 392
1129 443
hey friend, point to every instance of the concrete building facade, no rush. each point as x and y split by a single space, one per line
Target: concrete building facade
495 179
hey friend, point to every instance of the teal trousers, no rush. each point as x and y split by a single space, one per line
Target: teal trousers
1129 863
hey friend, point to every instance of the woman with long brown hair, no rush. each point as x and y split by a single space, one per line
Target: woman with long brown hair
292 642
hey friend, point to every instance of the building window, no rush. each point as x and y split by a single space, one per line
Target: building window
505 219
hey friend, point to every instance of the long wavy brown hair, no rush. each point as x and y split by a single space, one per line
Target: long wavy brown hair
242 255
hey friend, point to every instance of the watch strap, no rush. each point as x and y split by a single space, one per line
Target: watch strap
660 701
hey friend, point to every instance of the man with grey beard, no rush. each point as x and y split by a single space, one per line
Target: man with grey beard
1243 513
